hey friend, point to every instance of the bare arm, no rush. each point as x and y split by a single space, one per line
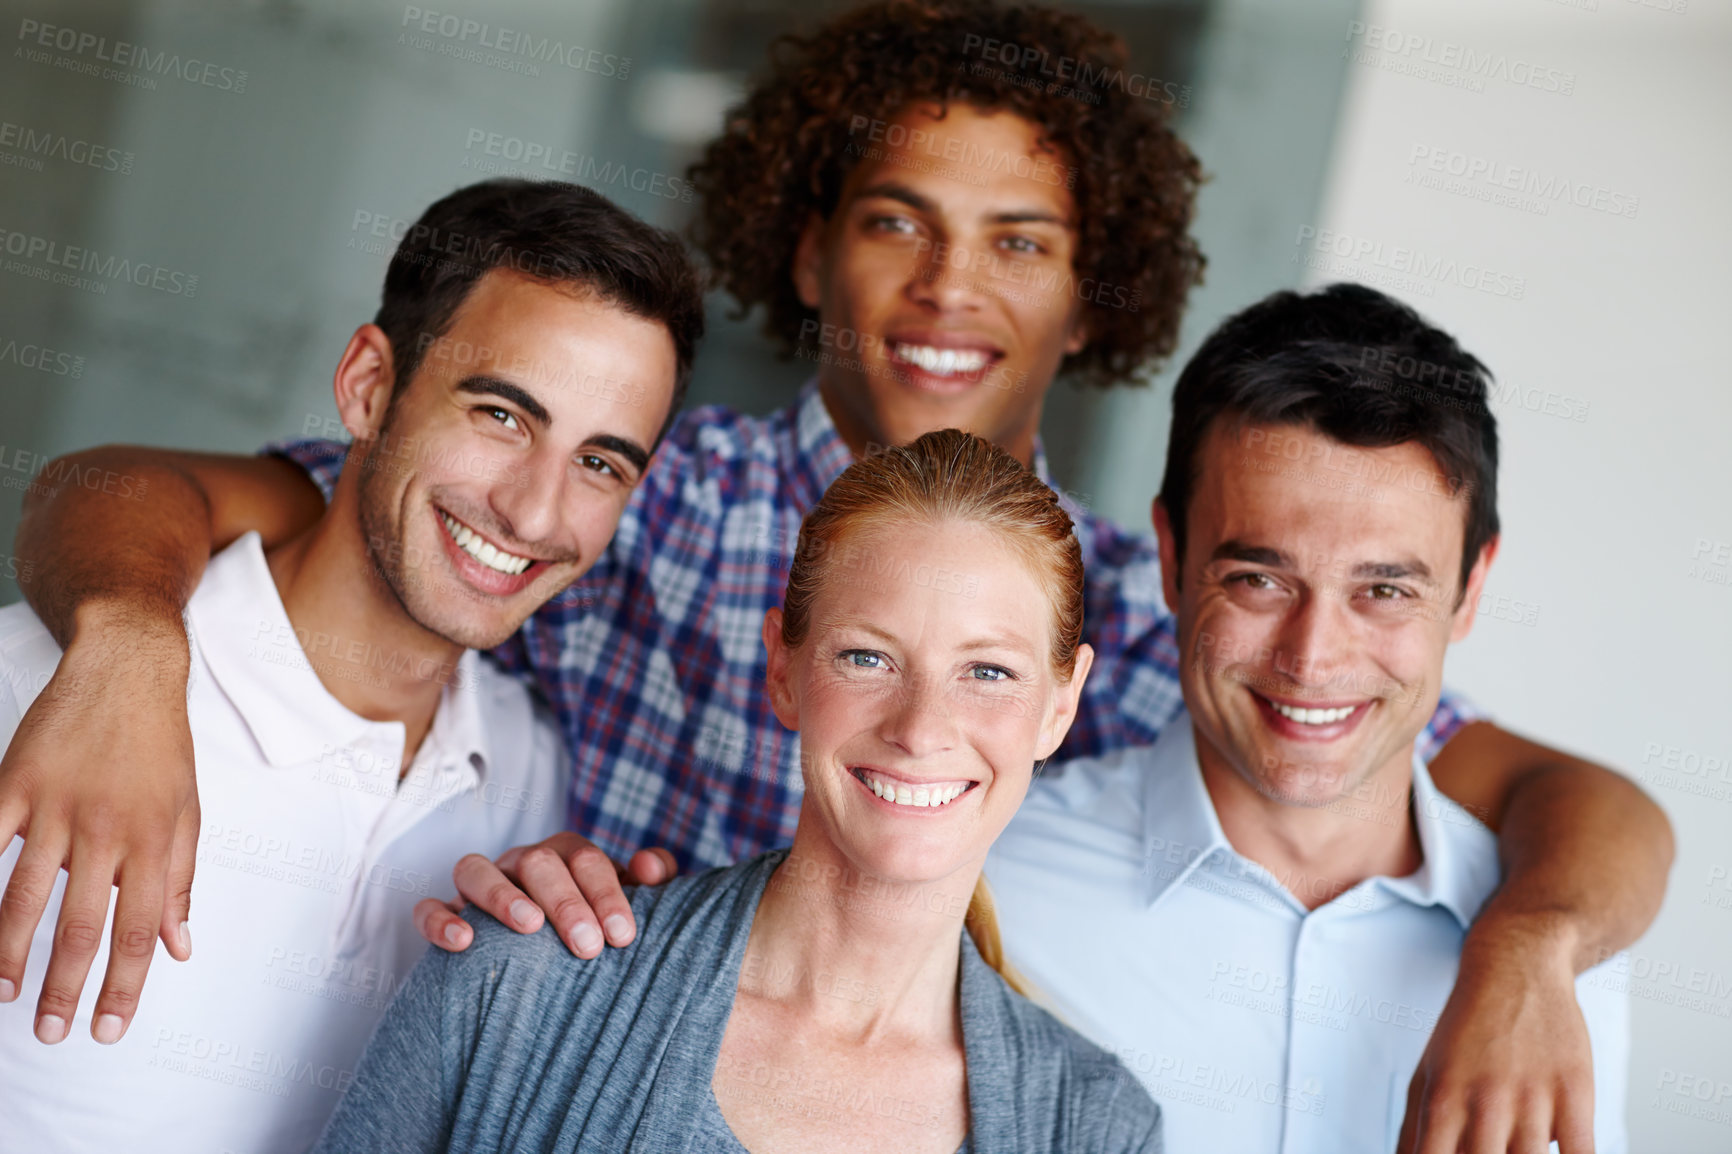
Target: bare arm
147 549
1585 856
99 775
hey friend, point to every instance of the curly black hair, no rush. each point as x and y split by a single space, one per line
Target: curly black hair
783 155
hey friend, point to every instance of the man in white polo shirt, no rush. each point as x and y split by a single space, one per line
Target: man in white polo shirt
1263 913
350 743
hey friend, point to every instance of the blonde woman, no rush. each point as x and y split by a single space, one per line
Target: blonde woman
836 995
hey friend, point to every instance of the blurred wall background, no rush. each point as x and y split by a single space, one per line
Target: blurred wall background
1543 177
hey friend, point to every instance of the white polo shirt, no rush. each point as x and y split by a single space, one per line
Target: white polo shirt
310 860
1258 1025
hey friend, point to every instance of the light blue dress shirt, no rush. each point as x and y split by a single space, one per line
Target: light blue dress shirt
1259 1026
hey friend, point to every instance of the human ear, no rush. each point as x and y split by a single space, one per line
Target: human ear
1065 703
778 681
1169 553
1469 606
808 269
364 381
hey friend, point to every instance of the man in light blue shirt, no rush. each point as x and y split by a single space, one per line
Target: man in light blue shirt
1263 913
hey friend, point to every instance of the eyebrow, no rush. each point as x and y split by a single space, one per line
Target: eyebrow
624 446
482 385
976 643
1411 568
897 191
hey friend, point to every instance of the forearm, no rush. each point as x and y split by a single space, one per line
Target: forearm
131 528
1585 857
113 557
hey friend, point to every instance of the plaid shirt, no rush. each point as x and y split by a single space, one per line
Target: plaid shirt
654 663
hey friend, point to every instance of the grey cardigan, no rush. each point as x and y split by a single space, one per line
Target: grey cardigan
516 1045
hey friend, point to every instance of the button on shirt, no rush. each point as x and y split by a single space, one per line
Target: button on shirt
655 664
1257 1025
310 860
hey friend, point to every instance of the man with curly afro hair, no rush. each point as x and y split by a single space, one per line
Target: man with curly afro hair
944 205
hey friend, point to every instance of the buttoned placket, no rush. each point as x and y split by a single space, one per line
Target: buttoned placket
382 806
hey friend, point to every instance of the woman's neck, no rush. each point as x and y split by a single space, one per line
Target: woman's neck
860 955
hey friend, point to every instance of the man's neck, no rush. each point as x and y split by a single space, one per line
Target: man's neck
366 650
862 431
1319 852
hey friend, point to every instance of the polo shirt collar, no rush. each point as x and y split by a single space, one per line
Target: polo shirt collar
248 643
1179 817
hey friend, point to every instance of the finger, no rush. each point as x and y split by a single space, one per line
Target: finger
27 894
137 920
440 925
175 931
598 880
652 867
1441 1117
77 937
481 882
1491 1125
549 880
1574 1117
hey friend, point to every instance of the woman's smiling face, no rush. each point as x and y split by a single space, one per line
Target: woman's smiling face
924 692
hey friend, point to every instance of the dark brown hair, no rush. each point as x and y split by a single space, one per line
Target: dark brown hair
784 155
553 232
1358 367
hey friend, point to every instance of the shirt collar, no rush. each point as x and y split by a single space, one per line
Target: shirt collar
823 455
248 643
1180 827
1181 830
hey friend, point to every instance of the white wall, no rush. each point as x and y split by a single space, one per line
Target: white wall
1617 489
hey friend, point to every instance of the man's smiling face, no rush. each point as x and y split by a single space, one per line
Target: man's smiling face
504 464
946 273
1314 616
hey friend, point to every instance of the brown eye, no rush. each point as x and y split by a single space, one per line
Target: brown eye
598 464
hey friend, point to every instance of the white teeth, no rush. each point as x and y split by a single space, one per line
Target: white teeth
1313 716
941 362
483 551
920 796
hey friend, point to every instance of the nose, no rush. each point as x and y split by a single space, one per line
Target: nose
1312 644
950 277
528 495
920 722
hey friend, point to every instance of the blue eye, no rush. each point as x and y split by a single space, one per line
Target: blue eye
863 658
992 673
